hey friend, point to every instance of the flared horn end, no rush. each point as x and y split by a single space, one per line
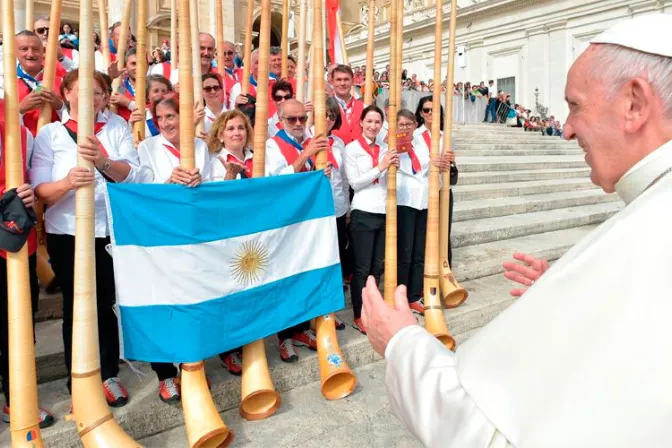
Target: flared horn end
338 380
259 405
205 427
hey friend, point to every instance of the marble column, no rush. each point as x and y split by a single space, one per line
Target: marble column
115 11
212 17
228 7
19 16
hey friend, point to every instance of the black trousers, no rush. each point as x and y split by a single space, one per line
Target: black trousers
344 246
164 370
4 327
368 244
411 237
61 250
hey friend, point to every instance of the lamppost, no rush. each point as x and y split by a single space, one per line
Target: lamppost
541 109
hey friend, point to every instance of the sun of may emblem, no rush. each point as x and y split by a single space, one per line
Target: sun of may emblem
248 262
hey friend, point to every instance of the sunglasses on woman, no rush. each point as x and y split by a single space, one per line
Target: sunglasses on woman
210 89
427 110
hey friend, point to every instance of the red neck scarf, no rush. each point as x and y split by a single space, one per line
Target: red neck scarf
373 152
71 125
173 151
247 164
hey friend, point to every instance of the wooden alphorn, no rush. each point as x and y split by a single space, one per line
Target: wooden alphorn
435 322
95 423
204 425
337 379
141 71
123 46
104 33
196 62
173 35
452 293
247 61
390 278
220 38
285 39
368 82
23 378
301 63
259 399
44 271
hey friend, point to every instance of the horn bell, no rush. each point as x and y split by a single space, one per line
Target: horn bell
259 398
435 321
338 380
453 295
205 427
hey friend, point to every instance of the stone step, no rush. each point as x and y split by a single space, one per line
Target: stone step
504 139
488 177
146 415
481 260
468 164
461 145
467 233
491 208
509 189
532 151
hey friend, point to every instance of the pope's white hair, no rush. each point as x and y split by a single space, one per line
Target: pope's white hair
617 65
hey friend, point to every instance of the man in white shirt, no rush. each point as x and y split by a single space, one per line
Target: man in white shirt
582 359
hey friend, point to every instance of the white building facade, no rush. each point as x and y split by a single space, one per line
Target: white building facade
526 46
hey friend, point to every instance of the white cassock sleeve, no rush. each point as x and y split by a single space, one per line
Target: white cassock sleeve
426 394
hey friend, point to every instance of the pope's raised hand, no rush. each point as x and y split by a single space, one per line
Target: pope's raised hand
525 274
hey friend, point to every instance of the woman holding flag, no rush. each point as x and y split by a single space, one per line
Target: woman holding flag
55 177
160 163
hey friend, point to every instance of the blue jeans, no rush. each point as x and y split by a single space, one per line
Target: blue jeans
490 110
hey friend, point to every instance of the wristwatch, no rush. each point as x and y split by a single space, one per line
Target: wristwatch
106 166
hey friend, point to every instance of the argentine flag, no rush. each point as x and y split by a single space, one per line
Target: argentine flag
199 271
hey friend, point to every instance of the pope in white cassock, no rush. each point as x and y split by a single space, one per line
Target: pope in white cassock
584 357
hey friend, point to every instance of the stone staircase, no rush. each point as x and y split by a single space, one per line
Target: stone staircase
517 191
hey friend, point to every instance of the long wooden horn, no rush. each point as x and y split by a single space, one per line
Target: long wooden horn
123 46
453 294
390 280
368 83
338 380
196 61
435 322
285 39
23 378
30 16
141 71
301 63
245 85
95 423
259 398
205 427
220 36
173 35
104 32
400 51
44 271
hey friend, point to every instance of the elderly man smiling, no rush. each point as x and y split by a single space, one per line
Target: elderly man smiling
583 358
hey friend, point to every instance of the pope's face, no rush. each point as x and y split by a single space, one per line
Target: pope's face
594 121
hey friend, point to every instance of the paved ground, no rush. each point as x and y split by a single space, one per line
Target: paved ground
307 420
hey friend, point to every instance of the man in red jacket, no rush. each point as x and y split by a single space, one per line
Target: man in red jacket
351 108
32 95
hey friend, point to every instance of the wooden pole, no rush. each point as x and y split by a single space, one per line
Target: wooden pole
452 293
104 33
123 46
259 398
390 278
23 377
141 71
196 61
245 86
301 63
434 320
400 51
220 37
368 85
285 38
173 35
94 420
30 16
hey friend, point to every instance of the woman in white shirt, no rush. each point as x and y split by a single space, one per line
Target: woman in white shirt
56 176
412 201
160 164
366 165
213 97
157 86
422 138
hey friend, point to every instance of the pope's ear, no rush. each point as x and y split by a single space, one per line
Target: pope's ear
641 103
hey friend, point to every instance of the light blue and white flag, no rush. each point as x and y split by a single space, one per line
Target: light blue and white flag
199 271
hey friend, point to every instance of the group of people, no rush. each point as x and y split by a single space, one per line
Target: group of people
358 162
